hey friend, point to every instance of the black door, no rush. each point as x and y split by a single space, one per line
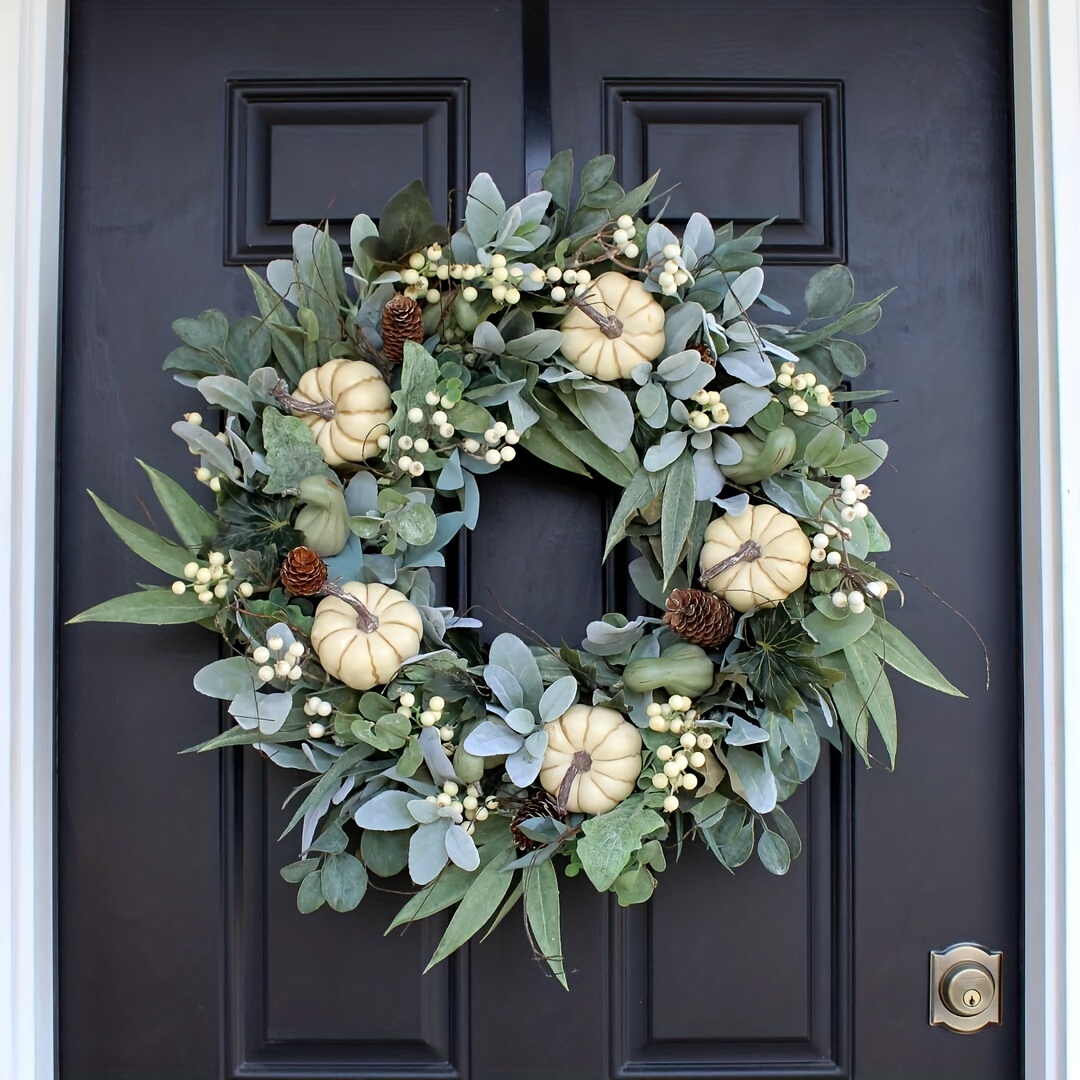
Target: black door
878 132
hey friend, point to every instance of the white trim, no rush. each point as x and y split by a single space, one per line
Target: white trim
31 100
1047 79
1046 46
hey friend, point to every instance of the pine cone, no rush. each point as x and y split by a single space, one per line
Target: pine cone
303 573
539 805
402 320
700 617
706 353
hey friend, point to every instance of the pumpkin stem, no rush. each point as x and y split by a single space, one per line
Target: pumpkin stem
610 326
365 620
325 409
580 763
749 552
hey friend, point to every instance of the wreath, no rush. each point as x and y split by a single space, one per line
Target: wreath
353 416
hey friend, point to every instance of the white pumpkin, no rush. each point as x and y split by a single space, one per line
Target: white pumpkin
587 345
608 769
360 401
358 658
767 556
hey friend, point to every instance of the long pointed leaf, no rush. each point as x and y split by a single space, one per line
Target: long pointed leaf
194 526
677 514
900 653
476 907
542 911
147 544
151 607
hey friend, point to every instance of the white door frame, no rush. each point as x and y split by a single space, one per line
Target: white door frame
1047 93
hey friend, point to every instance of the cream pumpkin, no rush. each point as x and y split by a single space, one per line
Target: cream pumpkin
359 409
754 559
609 763
358 658
588 345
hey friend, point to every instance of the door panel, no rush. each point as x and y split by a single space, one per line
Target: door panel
879 133
905 161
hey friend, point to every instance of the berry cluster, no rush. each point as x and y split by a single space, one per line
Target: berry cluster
498 445
853 496
623 237
429 716
677 716
211 581
204 475
468 809
673 271
428 268
712 411
799 384
316 707
278 662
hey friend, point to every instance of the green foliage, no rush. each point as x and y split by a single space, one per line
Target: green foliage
421 775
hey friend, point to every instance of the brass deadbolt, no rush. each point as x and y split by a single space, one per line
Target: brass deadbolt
965 988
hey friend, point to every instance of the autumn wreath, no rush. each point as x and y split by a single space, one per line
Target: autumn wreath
353 418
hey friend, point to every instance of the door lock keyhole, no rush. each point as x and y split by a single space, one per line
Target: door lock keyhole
964 988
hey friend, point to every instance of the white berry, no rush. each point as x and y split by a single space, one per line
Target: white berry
839 600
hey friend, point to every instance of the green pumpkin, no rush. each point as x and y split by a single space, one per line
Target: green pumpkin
324 519
761 457
681 668
469 767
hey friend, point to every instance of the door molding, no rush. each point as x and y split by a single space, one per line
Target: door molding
1046 70
1046 67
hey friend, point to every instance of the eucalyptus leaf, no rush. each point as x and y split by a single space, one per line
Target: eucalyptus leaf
385 854
344 881
309 896
226 679
774 853
829 291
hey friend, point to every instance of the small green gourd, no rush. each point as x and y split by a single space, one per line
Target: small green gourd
681 668
469 767
761 457
324 519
